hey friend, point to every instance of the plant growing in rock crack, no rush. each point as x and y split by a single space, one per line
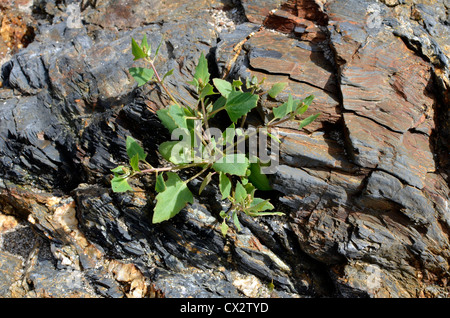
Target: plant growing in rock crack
213 153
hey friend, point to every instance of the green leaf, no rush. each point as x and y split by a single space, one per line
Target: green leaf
159 46
308 121
119 184
276 89
201 71
120 170
259 205
160 185
236 221
239 104
308 100
301 109
237 83
285 109
172 117
224 228
133 148
167 74
134 162
166 119
178 115
224 185
137 51
205 182
235 164
206 91
145 46
240 193
224 87
175 152
258 179
174 198
141 75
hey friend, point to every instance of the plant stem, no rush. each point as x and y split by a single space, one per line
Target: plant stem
160 82
180 167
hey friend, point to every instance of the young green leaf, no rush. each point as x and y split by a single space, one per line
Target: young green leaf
240 193
224 228
285 109
307 121
224 87
178 115
308 100
206 91
145 46
276 89
166 119
239 104
174 198
134 163
224 185
119 171
119 184
141 75
133 148
160 184
258 179
205 182
137 51
259 205
174 152
235 164
236 221
170 72
159 46
201 71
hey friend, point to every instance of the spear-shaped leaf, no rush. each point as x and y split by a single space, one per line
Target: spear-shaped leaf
174 198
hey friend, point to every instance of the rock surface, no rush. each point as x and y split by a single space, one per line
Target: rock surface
365 188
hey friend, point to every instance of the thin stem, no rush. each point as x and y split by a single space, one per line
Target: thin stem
180 167
160 82
198 174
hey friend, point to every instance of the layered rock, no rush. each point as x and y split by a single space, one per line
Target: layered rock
364 188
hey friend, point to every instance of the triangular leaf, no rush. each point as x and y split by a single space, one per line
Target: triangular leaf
224 185
224 87
201 71
134 162
174 152
285 109
141 75
166 119
308 121
160 185
239 104
259 205
174 198
240 193
137 51
133 148
235 164
258 179
224 228
276 89
119 184
205 182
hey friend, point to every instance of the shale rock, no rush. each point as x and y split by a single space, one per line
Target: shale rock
365 188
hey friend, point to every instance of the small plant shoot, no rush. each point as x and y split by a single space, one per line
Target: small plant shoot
210 155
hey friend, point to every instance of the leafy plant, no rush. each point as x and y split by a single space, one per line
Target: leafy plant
239 174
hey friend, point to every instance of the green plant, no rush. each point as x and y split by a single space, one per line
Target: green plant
239 173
